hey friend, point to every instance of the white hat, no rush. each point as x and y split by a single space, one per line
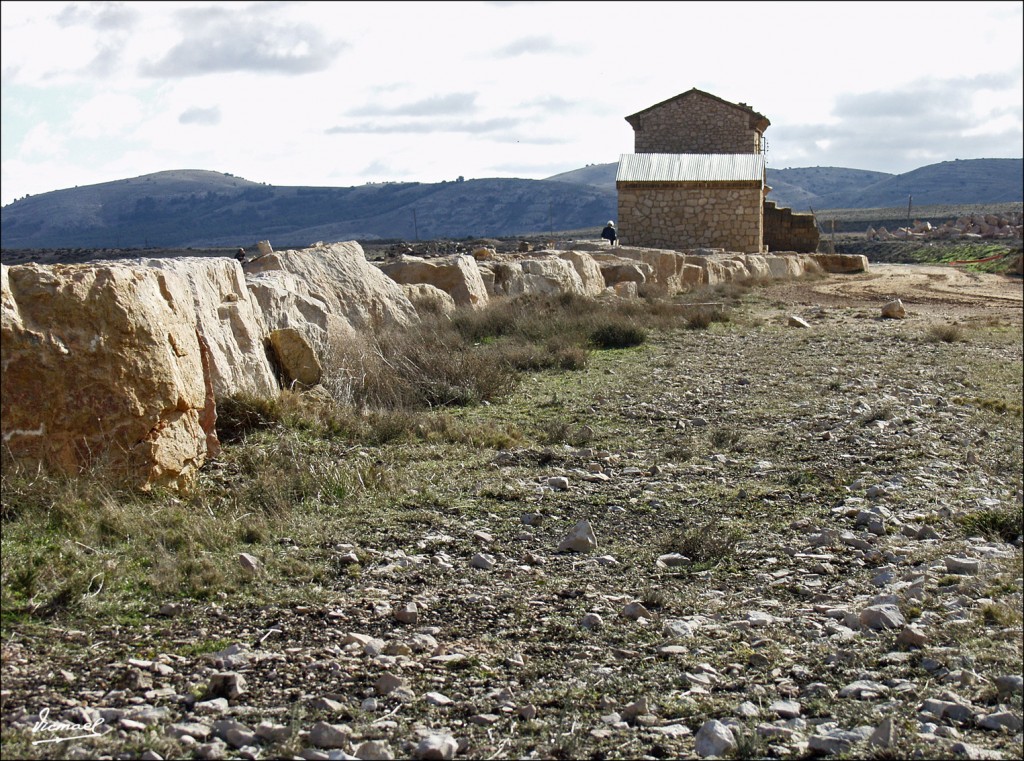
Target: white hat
610 223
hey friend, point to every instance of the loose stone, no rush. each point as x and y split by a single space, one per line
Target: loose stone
714 739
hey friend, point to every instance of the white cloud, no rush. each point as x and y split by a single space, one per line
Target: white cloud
106 115
201 116
42 142
335 93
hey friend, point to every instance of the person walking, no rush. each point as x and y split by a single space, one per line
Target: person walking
609 233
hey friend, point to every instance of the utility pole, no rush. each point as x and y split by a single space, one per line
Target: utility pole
415 227
910 205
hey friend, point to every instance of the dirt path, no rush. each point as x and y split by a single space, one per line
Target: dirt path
935 290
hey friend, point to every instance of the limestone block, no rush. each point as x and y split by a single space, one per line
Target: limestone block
841 263
757 266
296 358
285 302
588 270
339 276
104 364
626 289
784 267
508 279
735 270
458 276
551 275
231 322
431 300
617 270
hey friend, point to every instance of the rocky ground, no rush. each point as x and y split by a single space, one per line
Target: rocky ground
755 540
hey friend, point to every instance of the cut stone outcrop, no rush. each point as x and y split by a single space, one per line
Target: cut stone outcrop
231 322
105 365
429 299
296 358
458 276
588 270
338 276
327 293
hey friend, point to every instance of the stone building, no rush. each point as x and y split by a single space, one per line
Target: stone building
696 179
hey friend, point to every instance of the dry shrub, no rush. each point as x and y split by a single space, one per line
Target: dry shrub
707 543
428 365
701 318
945 334
617 334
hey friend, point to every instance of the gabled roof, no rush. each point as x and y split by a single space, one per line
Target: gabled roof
691 167
758 121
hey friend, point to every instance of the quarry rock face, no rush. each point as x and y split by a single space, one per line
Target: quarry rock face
458 276
588 270
122 362
286 303
231 322
296 358
666 272
429 299
105 365
551 275
841 263
339 276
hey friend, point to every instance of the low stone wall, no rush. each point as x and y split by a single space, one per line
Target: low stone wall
786 231
125 362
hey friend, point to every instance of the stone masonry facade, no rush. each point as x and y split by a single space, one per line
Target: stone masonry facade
691 215
695 214
697 122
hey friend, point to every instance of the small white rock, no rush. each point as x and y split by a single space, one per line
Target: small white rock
483 561
436 748
714 739
580 539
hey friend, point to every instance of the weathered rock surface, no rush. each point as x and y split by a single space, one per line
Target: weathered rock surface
429 299
590 273
231 322
296 358
458 276
339 276
105 364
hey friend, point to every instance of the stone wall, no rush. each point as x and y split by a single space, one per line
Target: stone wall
696 124
786 231
725 215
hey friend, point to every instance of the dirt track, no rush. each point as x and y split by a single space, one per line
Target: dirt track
932 290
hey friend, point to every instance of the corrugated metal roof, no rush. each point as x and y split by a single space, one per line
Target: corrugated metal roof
691 167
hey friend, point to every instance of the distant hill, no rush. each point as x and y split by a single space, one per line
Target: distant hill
598 175
968 181
963 181
204 209
818 187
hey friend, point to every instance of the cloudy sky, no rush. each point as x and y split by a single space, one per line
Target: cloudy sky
340 94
